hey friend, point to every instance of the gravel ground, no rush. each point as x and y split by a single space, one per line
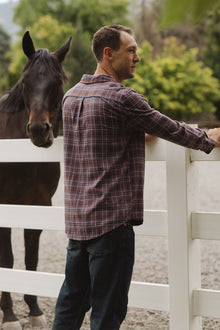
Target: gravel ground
151 252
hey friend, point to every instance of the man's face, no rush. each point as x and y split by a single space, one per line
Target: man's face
125 59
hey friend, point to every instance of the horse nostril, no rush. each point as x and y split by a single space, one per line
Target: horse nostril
38 128
47 127
28 128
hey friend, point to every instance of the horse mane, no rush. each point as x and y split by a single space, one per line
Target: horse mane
12 100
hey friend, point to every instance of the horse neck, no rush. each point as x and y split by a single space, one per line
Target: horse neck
13 125
13 117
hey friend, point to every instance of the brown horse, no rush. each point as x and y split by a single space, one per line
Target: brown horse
31 109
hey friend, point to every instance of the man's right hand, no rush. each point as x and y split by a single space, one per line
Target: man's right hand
214 133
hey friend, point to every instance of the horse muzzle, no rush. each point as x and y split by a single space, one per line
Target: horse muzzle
40 133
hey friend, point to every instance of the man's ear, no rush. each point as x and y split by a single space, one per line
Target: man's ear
107 52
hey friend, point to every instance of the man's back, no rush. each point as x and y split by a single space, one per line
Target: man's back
104 159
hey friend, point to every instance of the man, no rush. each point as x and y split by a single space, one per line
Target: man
104 142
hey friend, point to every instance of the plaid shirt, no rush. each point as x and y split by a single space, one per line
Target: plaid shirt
104 149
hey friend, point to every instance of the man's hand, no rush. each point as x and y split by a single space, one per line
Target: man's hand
214 133
149 138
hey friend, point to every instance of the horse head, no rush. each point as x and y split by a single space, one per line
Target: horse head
42 91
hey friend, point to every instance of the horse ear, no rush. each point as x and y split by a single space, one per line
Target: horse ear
27 44
61 52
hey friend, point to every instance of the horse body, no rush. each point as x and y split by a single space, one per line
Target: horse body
31 109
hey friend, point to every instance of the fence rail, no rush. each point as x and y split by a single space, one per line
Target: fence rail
182 223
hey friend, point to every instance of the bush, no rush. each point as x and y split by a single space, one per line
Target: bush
175 83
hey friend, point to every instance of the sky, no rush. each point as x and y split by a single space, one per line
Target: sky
3 1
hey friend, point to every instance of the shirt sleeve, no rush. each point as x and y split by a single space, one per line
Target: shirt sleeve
141 117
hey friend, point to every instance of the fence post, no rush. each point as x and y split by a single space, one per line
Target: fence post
184 253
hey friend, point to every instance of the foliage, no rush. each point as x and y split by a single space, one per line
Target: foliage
4 59
174 82
91 15
146 16
212 42
176 11
80 59
212 47
47 32
97 13
27 12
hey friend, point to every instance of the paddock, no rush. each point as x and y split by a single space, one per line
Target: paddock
180 223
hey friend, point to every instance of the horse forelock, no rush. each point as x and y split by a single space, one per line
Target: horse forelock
45 62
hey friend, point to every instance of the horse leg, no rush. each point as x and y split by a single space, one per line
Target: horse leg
10 320
31 239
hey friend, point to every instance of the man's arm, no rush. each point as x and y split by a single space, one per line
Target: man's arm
141 117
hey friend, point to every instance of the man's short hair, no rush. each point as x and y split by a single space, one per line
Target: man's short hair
108 36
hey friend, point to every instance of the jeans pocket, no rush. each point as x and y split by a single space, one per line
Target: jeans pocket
74 245
101 246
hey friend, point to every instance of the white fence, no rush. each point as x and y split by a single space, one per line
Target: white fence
184 225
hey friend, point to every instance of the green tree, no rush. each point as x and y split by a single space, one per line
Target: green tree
49 33
212 42
80 59
176 11
146 16
27 12
91 15
4 59
174 82
212 47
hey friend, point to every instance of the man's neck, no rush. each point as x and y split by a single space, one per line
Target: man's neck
104 70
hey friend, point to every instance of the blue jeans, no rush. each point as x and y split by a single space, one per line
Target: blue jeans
98 275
